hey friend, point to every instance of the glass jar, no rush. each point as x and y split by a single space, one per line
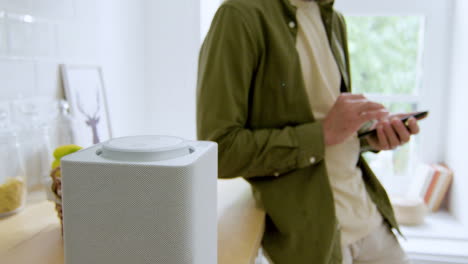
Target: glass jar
63 133
32 118
12 177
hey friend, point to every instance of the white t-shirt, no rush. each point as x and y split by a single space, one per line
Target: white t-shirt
356 212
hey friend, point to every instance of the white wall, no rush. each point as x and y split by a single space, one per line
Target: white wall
173 41
148 51
456 132
109 33
207 10
121 39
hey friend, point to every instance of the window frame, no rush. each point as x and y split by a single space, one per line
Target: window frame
435 61
434 95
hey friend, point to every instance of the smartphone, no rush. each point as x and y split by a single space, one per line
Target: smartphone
417 115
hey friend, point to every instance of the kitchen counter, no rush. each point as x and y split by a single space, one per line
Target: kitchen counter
34 236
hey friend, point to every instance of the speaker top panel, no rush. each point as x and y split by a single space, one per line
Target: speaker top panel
145 144
149 150
145 148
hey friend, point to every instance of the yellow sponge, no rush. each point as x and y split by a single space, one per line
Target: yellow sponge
63 151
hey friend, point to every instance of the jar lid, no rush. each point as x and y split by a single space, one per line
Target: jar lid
145 148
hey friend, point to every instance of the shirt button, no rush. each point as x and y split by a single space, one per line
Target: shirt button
312 160
276 174
292 24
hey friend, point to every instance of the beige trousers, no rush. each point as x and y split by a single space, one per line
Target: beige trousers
379 247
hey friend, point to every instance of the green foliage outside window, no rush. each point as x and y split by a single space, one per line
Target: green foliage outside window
385 59
384 52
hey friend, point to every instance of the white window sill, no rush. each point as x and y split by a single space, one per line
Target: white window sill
441 239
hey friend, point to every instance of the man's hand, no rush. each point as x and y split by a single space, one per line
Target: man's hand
392 132
347 115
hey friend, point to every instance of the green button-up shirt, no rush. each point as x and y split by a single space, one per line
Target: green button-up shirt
252 101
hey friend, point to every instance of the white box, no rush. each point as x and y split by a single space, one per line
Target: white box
147 199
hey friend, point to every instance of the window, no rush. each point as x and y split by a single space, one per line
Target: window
399 56
385 54
405 47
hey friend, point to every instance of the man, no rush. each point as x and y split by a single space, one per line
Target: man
274 92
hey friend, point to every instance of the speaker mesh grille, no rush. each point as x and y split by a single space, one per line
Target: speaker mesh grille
127 214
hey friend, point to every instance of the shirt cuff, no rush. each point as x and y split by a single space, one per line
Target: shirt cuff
311 144
365 146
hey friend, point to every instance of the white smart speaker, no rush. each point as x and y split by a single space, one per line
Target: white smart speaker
141 200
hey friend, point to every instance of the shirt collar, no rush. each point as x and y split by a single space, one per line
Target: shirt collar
322 3
298 3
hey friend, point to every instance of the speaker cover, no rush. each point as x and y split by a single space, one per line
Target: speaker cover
142 200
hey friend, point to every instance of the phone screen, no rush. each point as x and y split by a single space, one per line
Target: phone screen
366 131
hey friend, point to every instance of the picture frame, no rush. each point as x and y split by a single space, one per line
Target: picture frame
85 92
